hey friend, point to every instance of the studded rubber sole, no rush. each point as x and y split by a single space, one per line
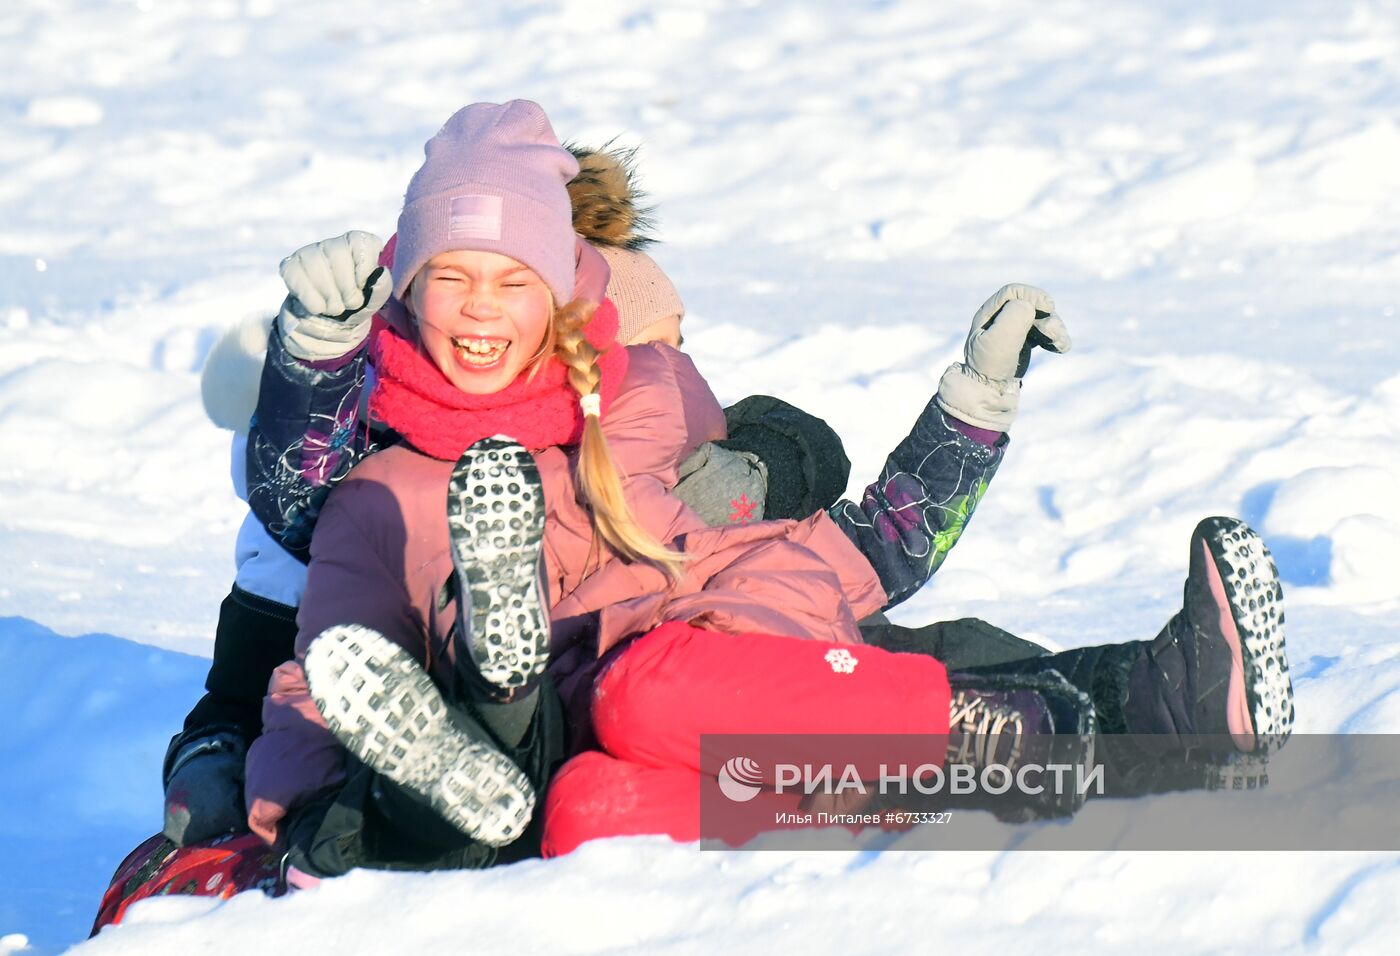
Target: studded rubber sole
495 517
1251 589
385 709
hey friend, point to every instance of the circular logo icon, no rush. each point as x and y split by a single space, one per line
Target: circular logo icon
740 779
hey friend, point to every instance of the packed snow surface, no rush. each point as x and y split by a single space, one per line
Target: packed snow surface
1211 192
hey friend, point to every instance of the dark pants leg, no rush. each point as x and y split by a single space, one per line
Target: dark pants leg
973 646
1103 672
373 823
253 636
959 645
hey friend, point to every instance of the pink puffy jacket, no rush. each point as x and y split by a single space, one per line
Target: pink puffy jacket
380 557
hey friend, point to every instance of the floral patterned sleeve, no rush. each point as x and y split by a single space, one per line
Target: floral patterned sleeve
910 518
303 439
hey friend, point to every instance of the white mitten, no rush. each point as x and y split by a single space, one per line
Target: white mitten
985 388
335 286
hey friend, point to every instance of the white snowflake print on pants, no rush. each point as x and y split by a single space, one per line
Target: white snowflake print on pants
842 661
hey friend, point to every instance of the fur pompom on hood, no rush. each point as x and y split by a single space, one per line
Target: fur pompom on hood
609 207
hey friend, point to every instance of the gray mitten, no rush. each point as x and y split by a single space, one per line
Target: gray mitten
204 794
985 388
722 486
334 288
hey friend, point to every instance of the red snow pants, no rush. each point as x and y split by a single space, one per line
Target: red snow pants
653 702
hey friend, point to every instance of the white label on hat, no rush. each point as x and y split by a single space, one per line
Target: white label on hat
474 217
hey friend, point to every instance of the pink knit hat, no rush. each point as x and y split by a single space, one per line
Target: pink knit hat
641 291
492 180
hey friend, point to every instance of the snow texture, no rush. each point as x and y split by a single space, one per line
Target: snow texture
1211 193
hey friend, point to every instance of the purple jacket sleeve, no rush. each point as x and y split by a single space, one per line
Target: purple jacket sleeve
302 440
910 518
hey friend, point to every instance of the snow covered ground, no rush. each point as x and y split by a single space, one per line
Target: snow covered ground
1212 195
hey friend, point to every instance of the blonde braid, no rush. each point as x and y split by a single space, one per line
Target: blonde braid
597 472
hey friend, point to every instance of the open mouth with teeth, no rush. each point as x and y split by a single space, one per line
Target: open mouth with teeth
480 352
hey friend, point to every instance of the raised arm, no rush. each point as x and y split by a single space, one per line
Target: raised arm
913 514
303 437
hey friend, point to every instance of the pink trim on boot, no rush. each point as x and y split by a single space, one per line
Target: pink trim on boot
1237 714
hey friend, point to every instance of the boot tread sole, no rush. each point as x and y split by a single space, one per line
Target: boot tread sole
495 518
386 710
1256 604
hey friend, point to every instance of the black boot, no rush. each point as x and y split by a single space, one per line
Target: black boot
1140 751
1216 677
372 823
958 645
1204 703
999 724
376 823
1211 697
386 710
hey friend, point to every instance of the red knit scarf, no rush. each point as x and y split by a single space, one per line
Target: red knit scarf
415 399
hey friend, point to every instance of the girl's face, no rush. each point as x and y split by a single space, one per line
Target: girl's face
482 317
